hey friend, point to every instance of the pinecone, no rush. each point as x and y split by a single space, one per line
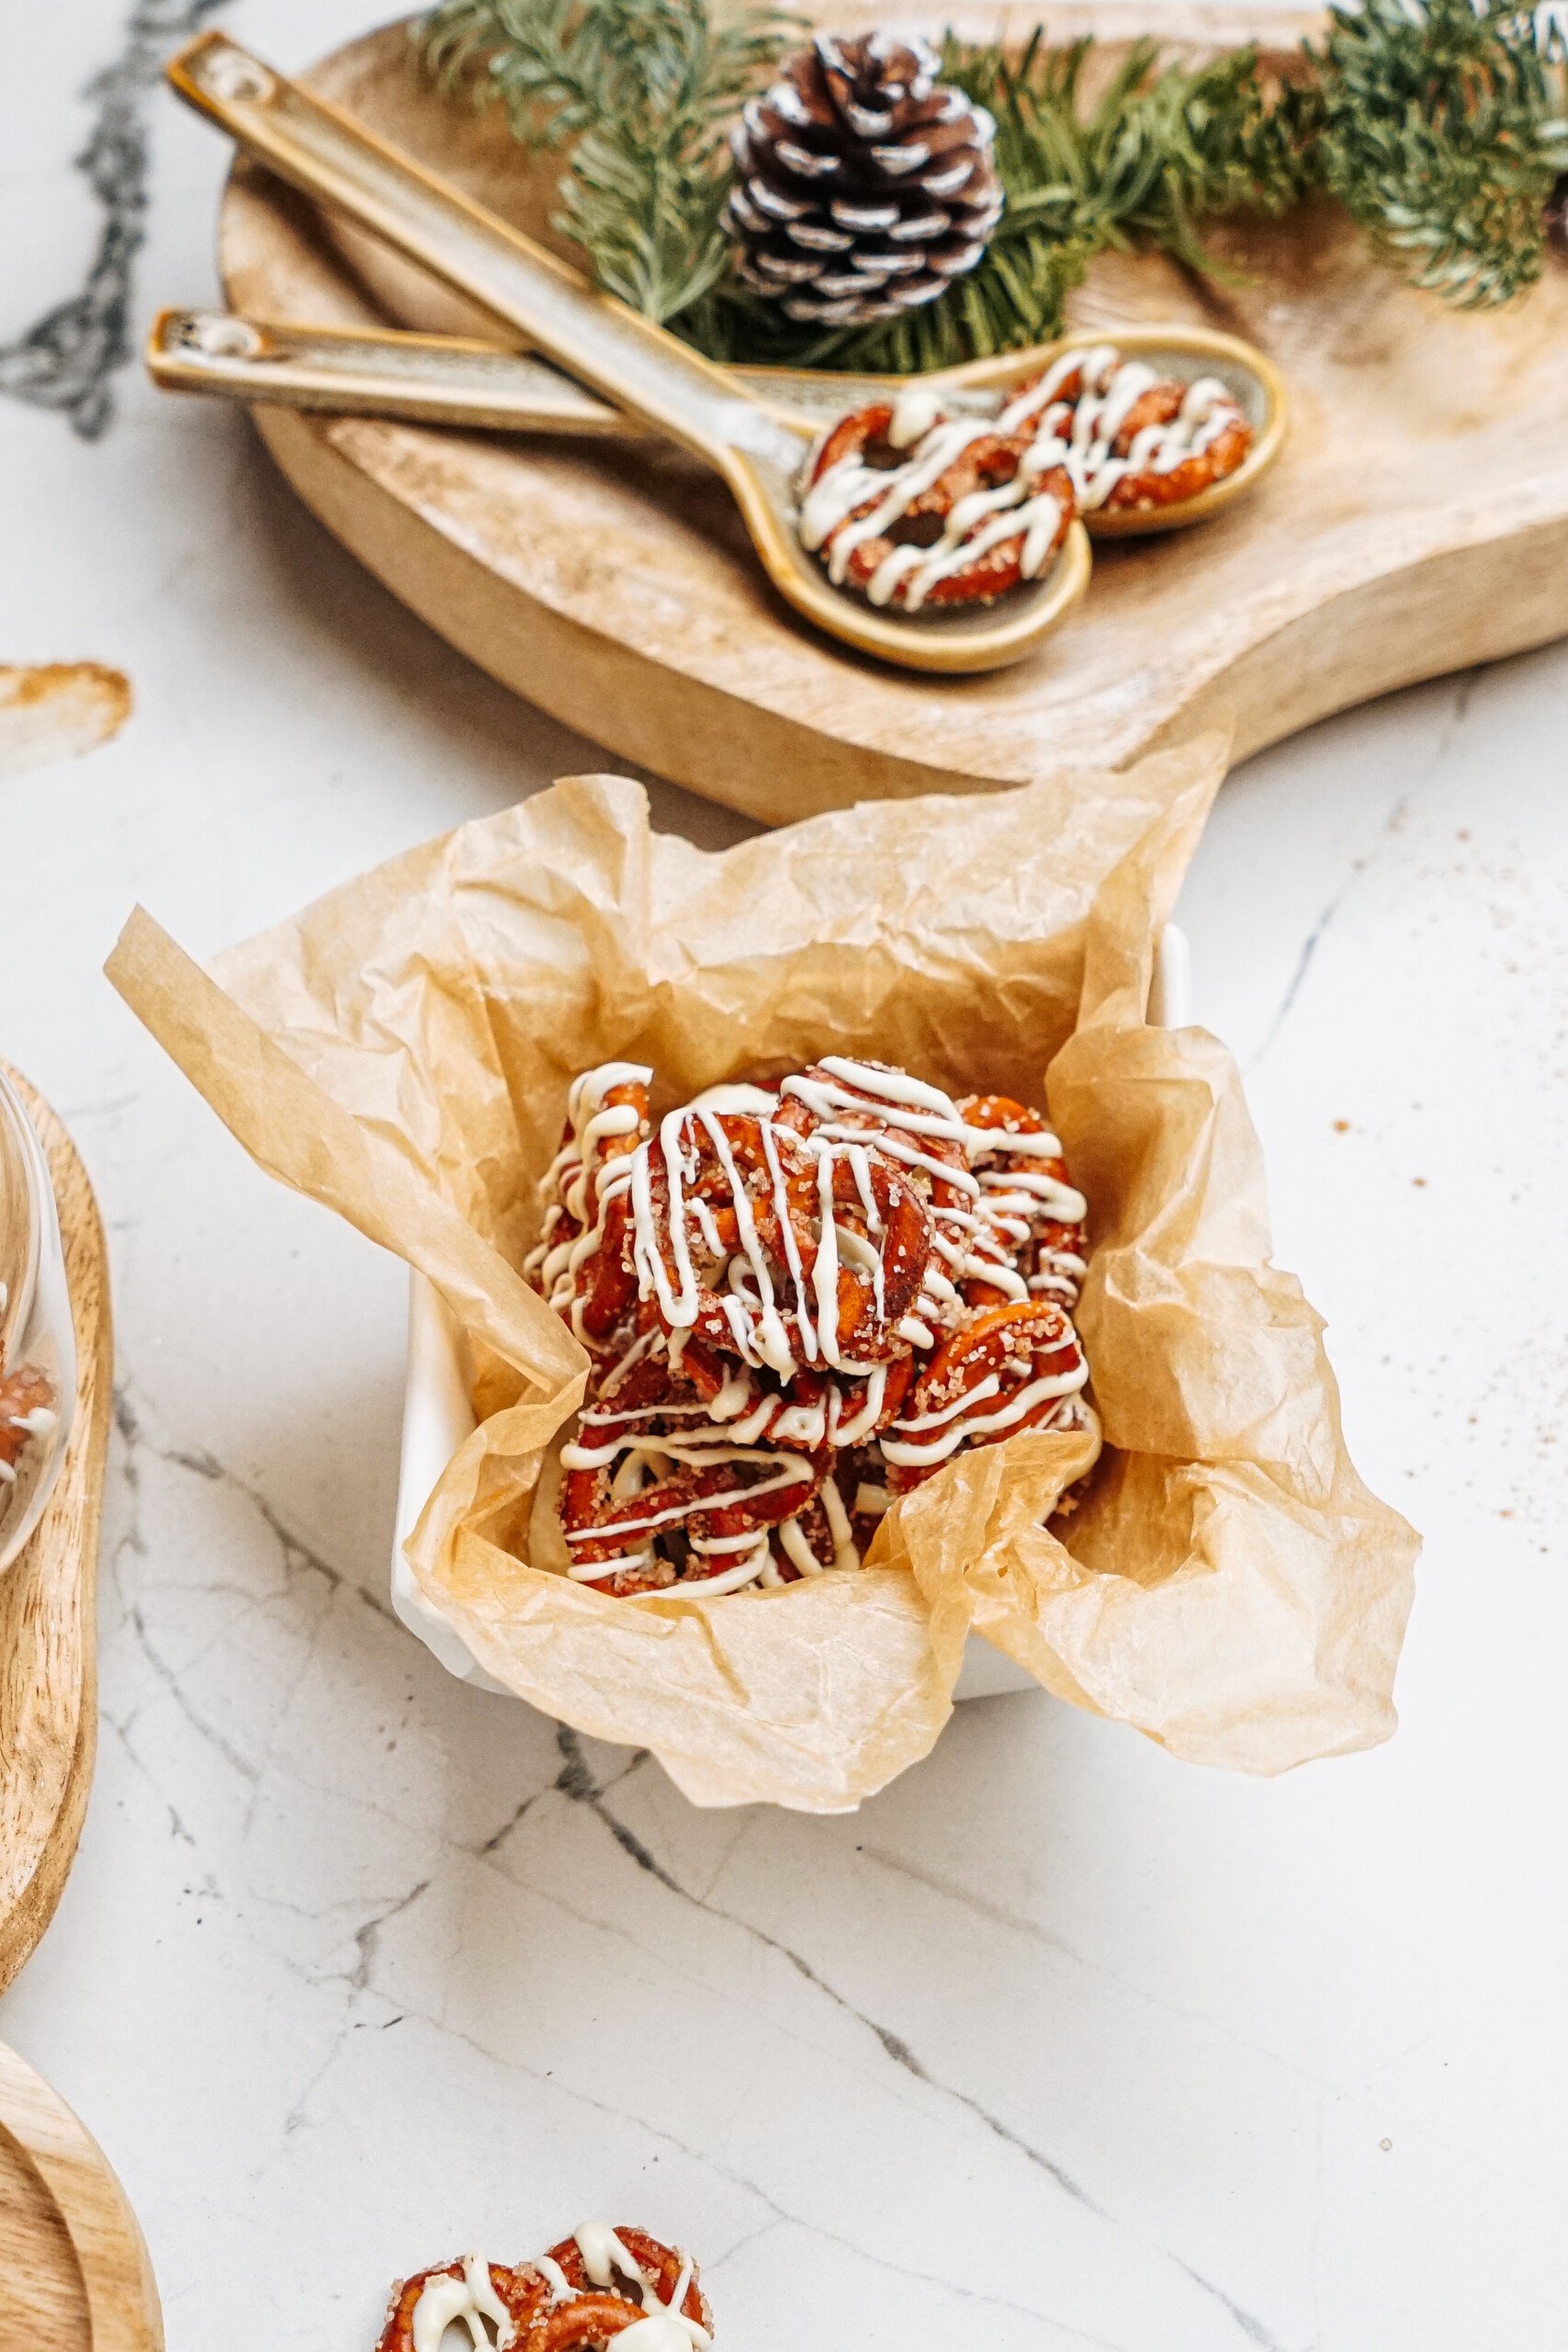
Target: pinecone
1557 214
864 188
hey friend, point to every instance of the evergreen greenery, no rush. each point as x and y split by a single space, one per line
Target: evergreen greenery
1438 124
641 93
1443 134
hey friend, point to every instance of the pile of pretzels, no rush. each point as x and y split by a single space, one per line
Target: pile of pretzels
799 1303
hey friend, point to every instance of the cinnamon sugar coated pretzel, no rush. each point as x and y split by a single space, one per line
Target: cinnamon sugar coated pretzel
916 507
26 1411
1126 438
598 2287
799 1303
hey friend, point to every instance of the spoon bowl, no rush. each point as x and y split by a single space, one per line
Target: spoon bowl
754 438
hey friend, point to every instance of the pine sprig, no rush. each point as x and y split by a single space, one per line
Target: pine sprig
1438 124
640 92
1162 149
1439 137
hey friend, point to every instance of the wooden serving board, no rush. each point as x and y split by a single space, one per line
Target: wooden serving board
1416 523
76 2276
49 1601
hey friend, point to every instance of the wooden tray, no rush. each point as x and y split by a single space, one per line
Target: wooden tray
49 1601
76 2276
1418 520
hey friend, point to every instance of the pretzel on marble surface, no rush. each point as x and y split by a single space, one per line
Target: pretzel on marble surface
588 2292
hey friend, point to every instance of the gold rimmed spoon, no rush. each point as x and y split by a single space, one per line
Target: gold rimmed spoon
756 442
450 380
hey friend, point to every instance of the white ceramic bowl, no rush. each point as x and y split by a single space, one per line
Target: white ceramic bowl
36 1327
438 1417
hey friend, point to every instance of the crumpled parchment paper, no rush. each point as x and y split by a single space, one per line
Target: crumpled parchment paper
401 1051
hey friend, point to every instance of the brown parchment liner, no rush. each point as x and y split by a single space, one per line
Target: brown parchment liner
401 1051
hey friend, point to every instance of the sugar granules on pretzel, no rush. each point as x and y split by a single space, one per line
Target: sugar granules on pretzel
800 1302
1127 438
599 2287
915 508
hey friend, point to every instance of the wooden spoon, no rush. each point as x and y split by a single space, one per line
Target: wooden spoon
452 379
758 444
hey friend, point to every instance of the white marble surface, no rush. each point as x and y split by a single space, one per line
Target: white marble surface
1057 2043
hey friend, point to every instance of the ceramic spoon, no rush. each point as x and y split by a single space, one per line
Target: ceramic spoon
448 380
757 445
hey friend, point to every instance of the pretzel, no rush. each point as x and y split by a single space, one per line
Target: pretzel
990 1242
1019 1190
661 2270
802 1304
912 508
1129 439
559 2303
710 1190
581 1262
27 1410
1010 1369
719 1500
1152 486
737 1195
893 1229
522 2294
834 1530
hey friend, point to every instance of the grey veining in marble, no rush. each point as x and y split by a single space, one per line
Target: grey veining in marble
1056 2044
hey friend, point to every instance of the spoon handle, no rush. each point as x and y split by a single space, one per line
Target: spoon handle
425 379
634 364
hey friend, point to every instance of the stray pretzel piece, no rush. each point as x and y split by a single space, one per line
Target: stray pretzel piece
588 2292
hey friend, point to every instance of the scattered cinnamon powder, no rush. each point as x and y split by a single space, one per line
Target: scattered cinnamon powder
57 710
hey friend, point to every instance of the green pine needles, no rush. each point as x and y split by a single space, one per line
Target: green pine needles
1438 124
640 92
1443 134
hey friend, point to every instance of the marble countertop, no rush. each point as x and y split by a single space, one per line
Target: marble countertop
1057 2043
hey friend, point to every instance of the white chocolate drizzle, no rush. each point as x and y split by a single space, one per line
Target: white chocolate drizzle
471 2299
831 516
664 2326
1080 434
580 1185
969 1243
780 1317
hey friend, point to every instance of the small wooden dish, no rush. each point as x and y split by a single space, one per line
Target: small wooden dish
76 2276
49 1605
